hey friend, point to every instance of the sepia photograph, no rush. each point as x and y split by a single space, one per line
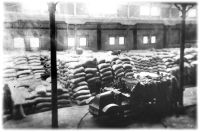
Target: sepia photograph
99 64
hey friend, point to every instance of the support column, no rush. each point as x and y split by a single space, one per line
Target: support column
183 8
52 9
99 37
182 54
165 36
135 37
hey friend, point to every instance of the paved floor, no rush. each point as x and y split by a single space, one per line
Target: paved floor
70 118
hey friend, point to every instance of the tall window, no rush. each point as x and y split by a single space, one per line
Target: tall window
149 10
83 41
144 10
71 42
153 39
192 13
19 43
155 11
145 40
121 40
34 42
112 40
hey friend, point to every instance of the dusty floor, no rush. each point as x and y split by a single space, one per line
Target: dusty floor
70 117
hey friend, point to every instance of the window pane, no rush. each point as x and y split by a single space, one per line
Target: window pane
192 13
83 41
67 8
112 40
153 39
123 11
145 40
34 42
155 11
81 9
174 13
144 10
121 40
19 43
71 42
134 11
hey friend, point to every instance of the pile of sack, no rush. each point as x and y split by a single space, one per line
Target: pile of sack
147 63
92 75
36 66
9 72
22 68
105 70
172 59
62 74
128 66
40 98
117 67
78 83
46 62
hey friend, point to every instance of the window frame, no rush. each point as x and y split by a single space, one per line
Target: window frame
23 43
159 9
68 41
86 37
119 40
151 39
189 13
149 10
30 41
112 36
143 39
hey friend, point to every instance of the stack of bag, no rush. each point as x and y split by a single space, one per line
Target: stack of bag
128 66
39 99
117 67
36 66
9 72
105 70
22 68
62 74
78 83
46 62
92 75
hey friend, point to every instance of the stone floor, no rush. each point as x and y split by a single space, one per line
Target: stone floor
70 118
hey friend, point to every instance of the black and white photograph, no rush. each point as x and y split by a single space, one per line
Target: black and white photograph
99 64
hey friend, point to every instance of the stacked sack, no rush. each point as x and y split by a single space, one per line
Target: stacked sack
92 75
128 66
36 66
105 70
117 67
62 74
191 56
78 84
39 99
22 68
63 71
148 63
9 72
46 62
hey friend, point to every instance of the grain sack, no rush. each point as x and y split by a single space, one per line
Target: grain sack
82 97
93 80
81 92
117 66
103 65
91 70
83 87
105 69
78 70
